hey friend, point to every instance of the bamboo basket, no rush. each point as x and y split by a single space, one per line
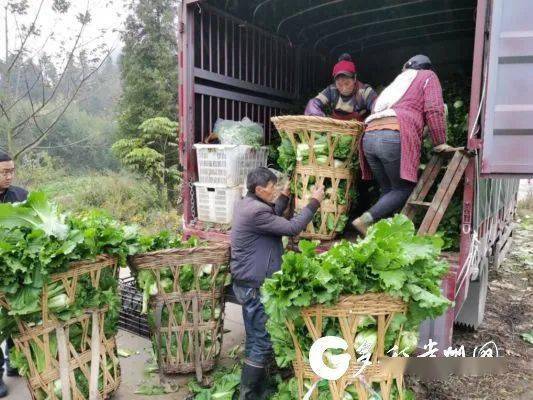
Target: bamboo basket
62 360
348 312
194 330
69 280
306 129
330 207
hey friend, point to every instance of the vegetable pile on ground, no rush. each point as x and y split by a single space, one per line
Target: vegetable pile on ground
191 277
390 259
37 241
225 385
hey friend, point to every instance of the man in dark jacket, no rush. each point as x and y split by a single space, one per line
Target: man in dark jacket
8 194
256 250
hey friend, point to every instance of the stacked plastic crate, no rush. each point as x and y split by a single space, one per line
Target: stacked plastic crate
222 171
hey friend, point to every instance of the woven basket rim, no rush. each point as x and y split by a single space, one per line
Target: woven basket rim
100 258
177 250
352 300
346 124
175 297
143 260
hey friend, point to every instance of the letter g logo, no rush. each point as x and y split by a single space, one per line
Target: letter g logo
340 362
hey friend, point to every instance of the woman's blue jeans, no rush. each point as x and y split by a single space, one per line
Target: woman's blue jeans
383 153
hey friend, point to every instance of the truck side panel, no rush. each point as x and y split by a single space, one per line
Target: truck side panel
508 121
231 69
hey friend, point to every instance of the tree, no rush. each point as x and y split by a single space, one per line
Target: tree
149 65
36 91
153 154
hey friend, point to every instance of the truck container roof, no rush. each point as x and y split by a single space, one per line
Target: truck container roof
372 31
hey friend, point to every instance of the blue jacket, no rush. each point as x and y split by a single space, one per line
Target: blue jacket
256 232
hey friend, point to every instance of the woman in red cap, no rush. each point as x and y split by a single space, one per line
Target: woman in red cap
347 97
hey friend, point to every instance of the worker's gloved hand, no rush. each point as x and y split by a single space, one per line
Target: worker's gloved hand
318 193
442 148
314 108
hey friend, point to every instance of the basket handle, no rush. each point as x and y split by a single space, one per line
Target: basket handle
62 349
95 356
157 322
195 311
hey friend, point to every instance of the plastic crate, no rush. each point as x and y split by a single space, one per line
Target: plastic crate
228 164
215 203
130 318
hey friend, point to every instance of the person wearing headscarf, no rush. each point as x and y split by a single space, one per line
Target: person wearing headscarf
390 148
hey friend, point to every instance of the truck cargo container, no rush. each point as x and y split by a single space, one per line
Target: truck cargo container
262 58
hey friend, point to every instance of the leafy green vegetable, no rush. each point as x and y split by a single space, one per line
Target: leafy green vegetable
391 259
528 337
366 341
240 132
287 157
152 389
225 385
288 154
37 241
344 145
408 342
35 213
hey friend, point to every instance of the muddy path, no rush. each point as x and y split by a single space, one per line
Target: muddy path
508 315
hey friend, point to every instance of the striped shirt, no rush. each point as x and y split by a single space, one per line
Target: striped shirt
360 102
421 105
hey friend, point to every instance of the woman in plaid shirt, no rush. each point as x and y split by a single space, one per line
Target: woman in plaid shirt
347 97
391 146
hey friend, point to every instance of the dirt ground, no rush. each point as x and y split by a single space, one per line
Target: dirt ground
508 315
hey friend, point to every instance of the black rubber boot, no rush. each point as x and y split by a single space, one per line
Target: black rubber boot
252 383
10 371
3 388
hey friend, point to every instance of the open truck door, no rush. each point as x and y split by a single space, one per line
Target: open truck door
507 124
504 51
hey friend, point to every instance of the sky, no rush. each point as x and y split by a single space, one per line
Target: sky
107 19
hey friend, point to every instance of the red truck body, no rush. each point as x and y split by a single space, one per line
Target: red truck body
262 58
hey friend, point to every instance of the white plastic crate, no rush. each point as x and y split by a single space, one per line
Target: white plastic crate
228 164
215 202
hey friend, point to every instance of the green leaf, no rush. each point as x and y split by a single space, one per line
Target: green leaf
393 279
36 213
528 337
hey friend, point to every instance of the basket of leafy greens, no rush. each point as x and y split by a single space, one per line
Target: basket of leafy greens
378 290
59 298
183 288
